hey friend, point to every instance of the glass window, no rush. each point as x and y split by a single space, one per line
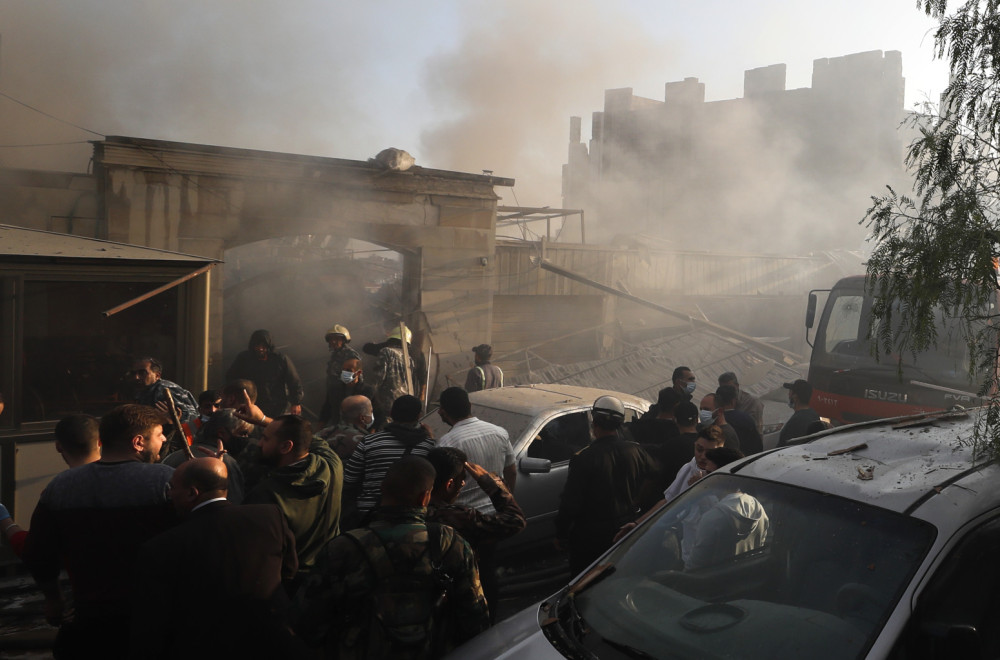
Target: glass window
842 328
75 360
561 438
733 560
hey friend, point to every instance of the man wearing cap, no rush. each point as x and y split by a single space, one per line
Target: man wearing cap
483 376
337 338
799 394
602 487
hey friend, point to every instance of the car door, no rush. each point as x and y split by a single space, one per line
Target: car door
958 614
543 463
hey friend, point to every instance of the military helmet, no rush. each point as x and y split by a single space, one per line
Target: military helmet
608 411
338 330
394 334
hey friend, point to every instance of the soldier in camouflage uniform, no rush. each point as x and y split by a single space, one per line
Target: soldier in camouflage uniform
337 338
389 375
402 589
483 531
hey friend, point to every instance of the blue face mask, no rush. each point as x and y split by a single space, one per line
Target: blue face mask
706 416
347 377
689 388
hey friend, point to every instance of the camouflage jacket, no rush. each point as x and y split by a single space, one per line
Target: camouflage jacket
390 376
478 528
186 404
334 608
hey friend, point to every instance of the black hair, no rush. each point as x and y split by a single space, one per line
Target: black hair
448 462
455 402
723 456
295 429
78 435
119 426
679 373
408 479
406 409
686 413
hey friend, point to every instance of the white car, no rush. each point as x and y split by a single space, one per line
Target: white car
547 424
877 540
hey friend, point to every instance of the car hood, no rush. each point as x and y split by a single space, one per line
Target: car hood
516 637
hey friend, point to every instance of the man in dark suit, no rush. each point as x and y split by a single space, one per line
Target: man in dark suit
214 582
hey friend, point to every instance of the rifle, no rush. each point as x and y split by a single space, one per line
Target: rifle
178 428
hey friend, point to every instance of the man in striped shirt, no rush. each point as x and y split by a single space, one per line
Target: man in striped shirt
485 444
366 467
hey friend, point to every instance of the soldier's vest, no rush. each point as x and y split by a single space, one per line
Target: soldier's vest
407 604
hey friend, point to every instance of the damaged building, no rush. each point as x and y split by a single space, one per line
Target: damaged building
776 171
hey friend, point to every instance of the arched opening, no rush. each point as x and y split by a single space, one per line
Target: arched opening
298 287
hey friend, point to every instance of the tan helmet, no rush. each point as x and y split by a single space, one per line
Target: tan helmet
394 334
338 330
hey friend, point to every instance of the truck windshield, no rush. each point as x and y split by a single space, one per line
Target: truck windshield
738 567
845 333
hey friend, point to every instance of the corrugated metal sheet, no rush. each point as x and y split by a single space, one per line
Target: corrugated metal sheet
670 273
646 368
21 243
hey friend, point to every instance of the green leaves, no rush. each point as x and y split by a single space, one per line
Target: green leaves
935 252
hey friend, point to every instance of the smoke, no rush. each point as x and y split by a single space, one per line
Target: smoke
274 76
506 91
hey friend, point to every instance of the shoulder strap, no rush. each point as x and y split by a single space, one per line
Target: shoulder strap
482 376
500 372
374 551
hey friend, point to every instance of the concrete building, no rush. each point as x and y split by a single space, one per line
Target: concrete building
777 171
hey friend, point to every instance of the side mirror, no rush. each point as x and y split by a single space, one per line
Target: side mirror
953 640
529 465
811 310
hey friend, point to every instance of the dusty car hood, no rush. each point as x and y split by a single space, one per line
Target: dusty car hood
516 637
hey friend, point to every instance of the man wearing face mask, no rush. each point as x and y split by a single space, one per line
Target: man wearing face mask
683 379
350 382
710 414
337 338
799 394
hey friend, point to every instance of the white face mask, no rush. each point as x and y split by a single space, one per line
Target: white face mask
689 388
347 377
706 416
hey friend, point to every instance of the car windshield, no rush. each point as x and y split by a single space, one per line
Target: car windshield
739 567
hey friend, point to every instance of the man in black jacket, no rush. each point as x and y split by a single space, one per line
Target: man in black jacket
279 388
602 488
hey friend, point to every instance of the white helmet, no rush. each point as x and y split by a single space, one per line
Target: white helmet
608 412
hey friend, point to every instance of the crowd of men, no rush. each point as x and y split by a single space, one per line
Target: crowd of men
251 535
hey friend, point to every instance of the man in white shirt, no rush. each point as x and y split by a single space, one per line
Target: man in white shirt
485 444
708 438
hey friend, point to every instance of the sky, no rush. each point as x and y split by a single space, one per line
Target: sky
465 86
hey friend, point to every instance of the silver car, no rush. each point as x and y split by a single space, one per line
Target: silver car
877 540
547 424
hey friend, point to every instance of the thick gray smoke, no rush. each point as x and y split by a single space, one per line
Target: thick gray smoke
245 74
521 68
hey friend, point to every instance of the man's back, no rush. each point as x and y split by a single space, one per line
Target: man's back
222 565
486 445
369 462
91 521
346 602
751 441
308 494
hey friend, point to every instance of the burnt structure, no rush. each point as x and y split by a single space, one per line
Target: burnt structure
774 171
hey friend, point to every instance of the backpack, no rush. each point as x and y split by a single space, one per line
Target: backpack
406 607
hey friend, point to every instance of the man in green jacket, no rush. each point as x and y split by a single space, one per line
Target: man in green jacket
305 481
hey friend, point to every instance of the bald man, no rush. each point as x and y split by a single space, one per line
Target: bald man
214 582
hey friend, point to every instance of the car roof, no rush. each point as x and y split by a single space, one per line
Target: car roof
535 399
917 465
